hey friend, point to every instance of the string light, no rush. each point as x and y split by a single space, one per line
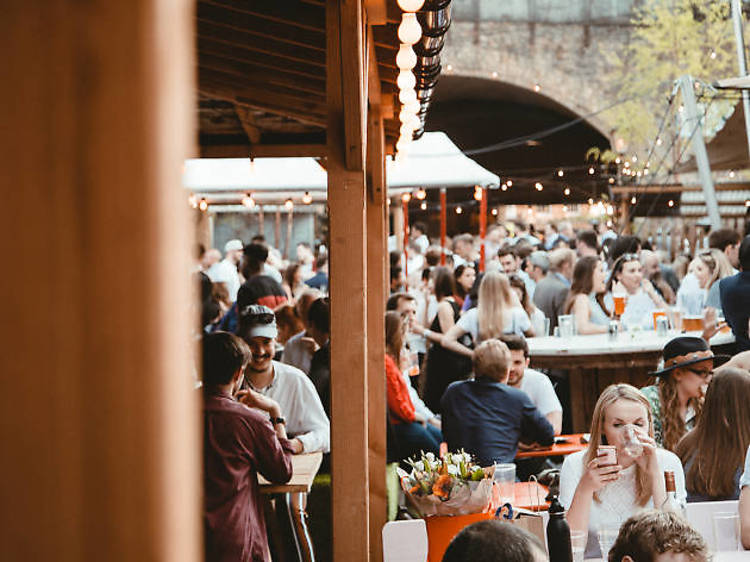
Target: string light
406 80
566 191
635 158
410 5
611 180
459 210
494 74
591 201
421 194
671 203
510 183
494 211
632 200
307 198
591 171
504 187
713 55
289 204
565 208
449 68
409 30
203 205
617 160
477 193
406 59
248 201
747 202
423 206
537 88
193 201
560 173
538 186
406 197
731 173
658 141
407 95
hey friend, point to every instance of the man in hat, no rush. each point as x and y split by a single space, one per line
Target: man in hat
226 270
688 366
306 421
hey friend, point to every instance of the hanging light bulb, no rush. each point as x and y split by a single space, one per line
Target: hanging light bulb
538 186
406 130
591 171
658 141
193 201
566 191
203 205
406 59
477 193
409 30
731 173
423 206
406 197
289 204
560 173
410 5
248 201
421 194
307 198
611 180
591 201
565 208
747 202
449 68
713 55
251 168
406 80
537 88
494 212
459 210
633 200
510 183
405 96
671 203
494 74
645 171
635 158
504 187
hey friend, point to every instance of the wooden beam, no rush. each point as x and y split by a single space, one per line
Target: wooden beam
288 150
297 14
102 459
376 12
348 238
352 45
262 28
241 81
251 43
675 188
225 151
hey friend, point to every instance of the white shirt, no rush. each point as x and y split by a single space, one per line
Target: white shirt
617 498
419 406
272 272
225 272
539 388
296 353
300 405
745 479
516 322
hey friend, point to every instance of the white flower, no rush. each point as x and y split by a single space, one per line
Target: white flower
419 465
435 465
430 457
467 457
452 470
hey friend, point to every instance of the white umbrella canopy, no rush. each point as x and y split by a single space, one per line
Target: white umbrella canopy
433 162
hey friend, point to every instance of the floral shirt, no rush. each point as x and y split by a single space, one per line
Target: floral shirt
652 395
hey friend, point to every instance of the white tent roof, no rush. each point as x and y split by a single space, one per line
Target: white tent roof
433 161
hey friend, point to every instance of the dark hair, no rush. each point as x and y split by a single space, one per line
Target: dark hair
289 273
493 541
583 283
745 254
395 258
319 315
255 256
589 238
394 333
420 227
426 273
394 300
223 355
617 266
516 343
722 238
258 239
206 285
200 249
210 311
457 273
624 245
321 260
648 534
432 256
518 283
445 283
395 272
506 251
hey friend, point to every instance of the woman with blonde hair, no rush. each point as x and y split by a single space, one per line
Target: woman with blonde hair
498 312
603 490
722 432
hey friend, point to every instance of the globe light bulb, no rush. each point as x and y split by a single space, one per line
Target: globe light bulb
459 210
504 187
289 204
406 197
248 201
406 59
203 205
409 30
567 191
405 96
421 194
510 183
494 212
423 206
307 198
560 173
632 200
538 186
410 5
406 80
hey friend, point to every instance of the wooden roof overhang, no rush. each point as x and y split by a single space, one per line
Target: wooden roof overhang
262 73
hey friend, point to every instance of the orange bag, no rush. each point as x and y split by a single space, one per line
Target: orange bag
442 529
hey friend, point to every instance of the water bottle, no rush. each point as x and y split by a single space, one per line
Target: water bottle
558 534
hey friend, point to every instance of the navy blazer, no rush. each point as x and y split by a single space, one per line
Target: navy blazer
735 302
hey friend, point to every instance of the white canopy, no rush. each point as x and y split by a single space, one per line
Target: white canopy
433 162
740 82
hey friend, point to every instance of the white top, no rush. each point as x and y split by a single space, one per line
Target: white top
296 353
745 479
225 272
300 405
617 498
419 406
272 272
516 321
539 388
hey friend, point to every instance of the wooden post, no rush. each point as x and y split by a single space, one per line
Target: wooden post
347 204
277 228
405 198
289 225
443 220
377 281
99 416
482 227
398 224
625 214
261 221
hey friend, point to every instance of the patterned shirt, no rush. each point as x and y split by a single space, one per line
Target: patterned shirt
652 395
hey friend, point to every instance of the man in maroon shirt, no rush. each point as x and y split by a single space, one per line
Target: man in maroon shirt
238 443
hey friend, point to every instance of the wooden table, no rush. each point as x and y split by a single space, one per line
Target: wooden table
594 362
573 445
292 499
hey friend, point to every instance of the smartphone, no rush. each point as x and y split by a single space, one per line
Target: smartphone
607 455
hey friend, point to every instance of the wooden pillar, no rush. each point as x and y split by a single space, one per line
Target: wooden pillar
443 221
261 221
277 228
624 227
204 228
289 227
99 417
405 198
346 139
377 281
398 224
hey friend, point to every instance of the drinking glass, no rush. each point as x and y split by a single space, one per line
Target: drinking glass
607 537
578 544
565 323
541 327
620 300
505 478
675 318
631 444
726 532
656 314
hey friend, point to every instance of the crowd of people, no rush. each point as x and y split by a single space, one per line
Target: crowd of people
457 366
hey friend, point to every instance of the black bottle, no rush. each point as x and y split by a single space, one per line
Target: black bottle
558 534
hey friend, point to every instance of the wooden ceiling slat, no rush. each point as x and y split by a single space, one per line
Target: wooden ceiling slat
278 51
217 47
386 37
241 83
259 75
262 28
297 14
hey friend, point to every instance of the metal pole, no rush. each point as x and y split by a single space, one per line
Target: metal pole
741 62
443 220
692 120
482 228
405 203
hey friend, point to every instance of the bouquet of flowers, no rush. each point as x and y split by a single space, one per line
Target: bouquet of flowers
452 485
